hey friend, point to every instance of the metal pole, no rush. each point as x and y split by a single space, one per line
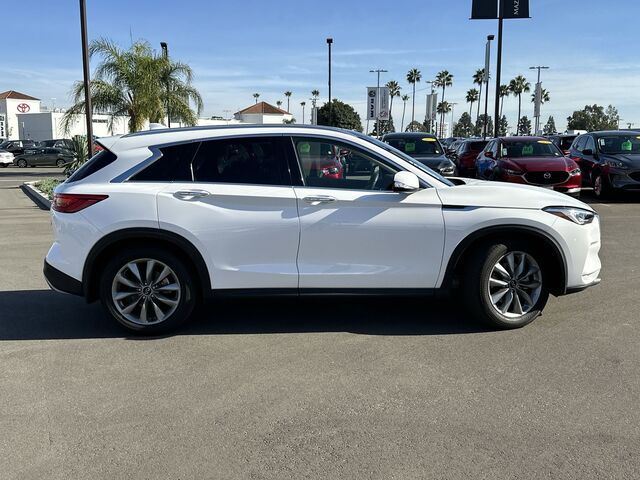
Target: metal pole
378 99
88 111
538 99
498 71
165 53
329 42
486 92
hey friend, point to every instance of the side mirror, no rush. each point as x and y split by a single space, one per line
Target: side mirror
405 182
587 151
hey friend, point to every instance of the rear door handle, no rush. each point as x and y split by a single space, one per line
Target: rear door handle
319 199
190 194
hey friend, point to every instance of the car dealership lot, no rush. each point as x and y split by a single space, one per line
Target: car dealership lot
321 388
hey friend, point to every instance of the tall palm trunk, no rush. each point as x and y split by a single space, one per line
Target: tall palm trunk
442 114
404 107
471 109
479 103
413 100
501 105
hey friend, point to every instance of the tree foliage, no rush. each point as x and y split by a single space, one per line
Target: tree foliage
415 126
549 127
594 117
478 131
342 116
524 127
464 127
503 126
138 83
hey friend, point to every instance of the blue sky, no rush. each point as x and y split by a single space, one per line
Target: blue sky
241 47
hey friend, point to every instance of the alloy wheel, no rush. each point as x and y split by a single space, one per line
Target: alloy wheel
515 284
146 291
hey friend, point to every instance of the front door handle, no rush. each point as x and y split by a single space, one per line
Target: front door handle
319 199
190 194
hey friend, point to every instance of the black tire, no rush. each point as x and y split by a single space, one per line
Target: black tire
4 165
60 163
188 292
601 187
476 290
22 163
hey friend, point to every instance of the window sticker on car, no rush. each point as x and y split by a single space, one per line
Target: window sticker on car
409 147
627 146
505 152
428 139
527 150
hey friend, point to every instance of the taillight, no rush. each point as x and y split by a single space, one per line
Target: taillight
74 202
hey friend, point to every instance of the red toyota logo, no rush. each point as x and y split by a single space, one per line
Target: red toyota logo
23 108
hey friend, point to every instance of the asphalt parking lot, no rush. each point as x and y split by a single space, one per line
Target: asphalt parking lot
321 388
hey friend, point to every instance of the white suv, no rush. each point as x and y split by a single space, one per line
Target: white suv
162 219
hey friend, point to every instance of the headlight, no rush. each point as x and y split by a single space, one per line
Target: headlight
576 215
575 172
615 163
446 167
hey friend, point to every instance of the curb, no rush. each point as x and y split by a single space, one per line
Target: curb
36 195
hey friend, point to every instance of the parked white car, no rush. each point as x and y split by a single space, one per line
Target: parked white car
6 159
162 219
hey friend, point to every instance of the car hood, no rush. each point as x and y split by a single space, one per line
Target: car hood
478 193
431 161
631 159
540 164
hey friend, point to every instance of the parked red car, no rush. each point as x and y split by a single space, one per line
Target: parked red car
529 160
465 156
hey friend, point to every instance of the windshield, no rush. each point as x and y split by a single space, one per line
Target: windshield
416 145
619 144
406 158
530 148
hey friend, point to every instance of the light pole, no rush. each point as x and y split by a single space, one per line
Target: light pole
487 65
378 71
88 111
431 106
538 97
165 54
329 42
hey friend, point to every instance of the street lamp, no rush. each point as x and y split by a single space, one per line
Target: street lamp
329 42
85 70
538 97
165 54
487 65
430 112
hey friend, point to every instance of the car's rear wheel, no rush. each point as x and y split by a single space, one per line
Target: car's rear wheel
504 285
148 290
60 163
22 163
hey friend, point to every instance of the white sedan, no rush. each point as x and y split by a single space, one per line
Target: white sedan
162 219
6 158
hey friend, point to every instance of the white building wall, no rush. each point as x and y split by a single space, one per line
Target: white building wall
9 106
263 118
48 126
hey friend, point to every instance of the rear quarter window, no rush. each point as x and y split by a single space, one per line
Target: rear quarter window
173 166
94 164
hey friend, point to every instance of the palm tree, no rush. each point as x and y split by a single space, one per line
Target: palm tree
413 77
443 108
518 86
478 79
394 91
288 95
279 103
504 92
256 96
125 83
314 94
404 99
472 97
443 79
303 105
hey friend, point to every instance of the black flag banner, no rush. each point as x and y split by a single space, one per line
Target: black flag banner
488 9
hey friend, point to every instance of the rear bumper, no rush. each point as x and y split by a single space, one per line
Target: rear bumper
60 281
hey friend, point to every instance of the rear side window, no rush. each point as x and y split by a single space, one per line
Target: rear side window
258 161
477 146
95 163
173 166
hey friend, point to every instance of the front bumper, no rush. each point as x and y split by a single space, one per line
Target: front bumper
60 281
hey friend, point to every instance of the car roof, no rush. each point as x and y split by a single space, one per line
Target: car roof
614 132
409 134
521 137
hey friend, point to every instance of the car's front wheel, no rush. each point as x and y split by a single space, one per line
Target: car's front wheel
60 163
147 290
22 163
601 188
504 285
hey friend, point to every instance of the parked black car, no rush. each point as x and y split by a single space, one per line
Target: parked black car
609 160
16 147
34 157
563 141
425 148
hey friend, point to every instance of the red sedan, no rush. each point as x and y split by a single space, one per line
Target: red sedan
529 160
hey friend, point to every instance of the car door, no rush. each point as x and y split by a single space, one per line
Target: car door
355 232
49 156
587 157
236 203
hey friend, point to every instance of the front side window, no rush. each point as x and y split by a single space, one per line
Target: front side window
258 161
331 164
590 144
